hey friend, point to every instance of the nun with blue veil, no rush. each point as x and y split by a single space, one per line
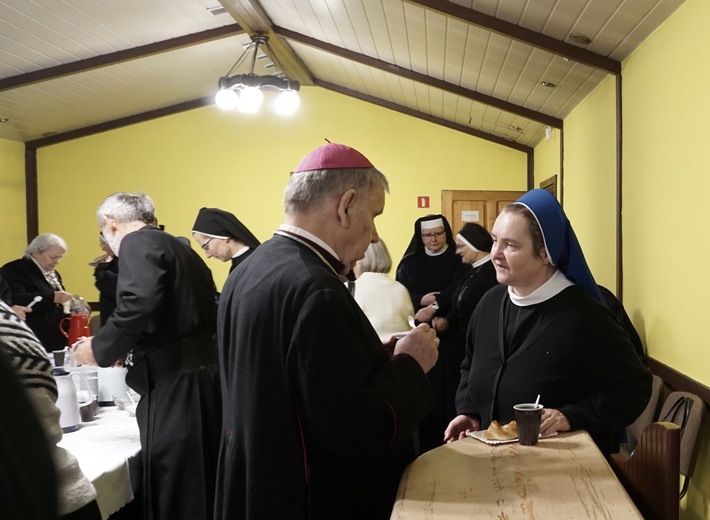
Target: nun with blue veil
546 330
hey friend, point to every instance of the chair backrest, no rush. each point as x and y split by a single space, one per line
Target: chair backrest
94 324
687 411
647 416
651 474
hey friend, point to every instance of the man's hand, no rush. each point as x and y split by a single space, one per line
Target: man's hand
422 344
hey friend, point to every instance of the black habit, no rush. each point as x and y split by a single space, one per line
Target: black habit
318 420
570 349
166 319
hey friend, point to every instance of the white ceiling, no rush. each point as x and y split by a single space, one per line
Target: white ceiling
71 67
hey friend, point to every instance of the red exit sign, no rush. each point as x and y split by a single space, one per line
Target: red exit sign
422 202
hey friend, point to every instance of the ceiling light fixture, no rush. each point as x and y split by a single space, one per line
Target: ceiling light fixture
580 38
244 91
548 84
4 120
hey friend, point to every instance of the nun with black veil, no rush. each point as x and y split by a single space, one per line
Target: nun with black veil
221 235
430 268
546 330
431 271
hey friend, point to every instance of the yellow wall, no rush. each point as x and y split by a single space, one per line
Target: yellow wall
13 221
590 179
547 160
666 184
241 163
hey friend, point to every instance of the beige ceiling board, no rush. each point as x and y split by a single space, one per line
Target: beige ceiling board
119 56
501 104
45 33
251 16
632 24
407 94
70 67
75 101
523 34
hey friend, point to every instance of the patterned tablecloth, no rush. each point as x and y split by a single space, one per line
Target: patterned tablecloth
103 447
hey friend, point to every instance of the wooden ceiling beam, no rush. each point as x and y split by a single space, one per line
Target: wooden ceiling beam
252 17
521 34
113 58
421 78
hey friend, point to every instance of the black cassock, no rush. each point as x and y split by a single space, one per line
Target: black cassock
318 421
569 349
166 317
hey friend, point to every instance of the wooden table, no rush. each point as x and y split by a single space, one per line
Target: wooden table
563 477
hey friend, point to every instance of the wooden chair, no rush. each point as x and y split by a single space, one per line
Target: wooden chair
687 411
652 473
649 415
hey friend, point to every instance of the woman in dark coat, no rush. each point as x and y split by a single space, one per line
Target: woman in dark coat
33 277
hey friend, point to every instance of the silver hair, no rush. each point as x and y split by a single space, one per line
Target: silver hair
377 259
127 207
307 190
42 242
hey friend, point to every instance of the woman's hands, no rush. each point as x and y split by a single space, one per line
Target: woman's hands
553 421
461 426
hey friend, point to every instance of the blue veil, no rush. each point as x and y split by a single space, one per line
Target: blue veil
560 241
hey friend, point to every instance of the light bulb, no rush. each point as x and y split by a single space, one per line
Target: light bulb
227 99
287 102
250 100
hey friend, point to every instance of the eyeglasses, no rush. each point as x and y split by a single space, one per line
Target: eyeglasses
206 245
459 247
429 236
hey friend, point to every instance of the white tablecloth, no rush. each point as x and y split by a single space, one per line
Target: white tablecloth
103 447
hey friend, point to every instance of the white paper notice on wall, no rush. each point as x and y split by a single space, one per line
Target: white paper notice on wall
470 216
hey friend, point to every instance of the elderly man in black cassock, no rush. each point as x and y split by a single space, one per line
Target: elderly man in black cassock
318 418
163 327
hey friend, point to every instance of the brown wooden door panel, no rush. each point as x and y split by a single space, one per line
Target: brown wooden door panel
481 207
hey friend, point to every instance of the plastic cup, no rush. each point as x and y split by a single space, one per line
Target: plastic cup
58 357
527 418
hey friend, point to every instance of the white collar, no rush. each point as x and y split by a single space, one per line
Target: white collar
557 283
241 251
441 251
309 236
482 261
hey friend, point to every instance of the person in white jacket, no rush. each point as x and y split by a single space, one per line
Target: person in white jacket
384 301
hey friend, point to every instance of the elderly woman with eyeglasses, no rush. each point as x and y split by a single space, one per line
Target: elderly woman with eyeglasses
33 280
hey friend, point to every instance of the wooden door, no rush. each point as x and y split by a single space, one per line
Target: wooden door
481 207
